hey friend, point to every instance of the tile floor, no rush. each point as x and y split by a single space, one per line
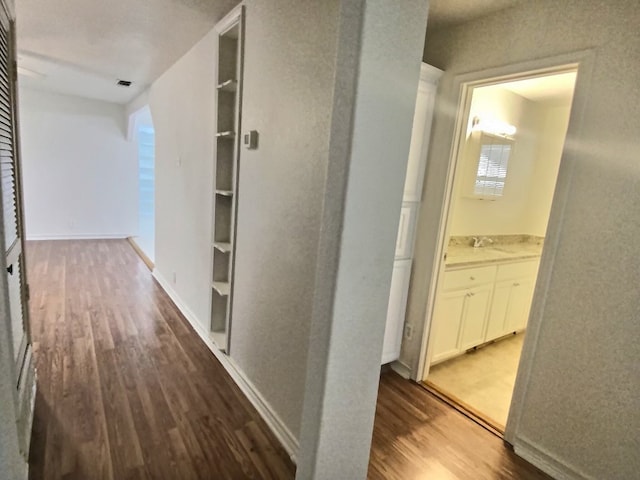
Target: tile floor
483 379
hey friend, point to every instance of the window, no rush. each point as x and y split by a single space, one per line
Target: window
493 162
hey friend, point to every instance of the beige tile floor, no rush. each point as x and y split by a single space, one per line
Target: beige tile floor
483 379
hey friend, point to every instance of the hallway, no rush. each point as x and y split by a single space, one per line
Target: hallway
128 391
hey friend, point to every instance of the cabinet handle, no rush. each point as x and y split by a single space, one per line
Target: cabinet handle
516 284
472 278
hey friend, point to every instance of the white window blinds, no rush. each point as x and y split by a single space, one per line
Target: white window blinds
7 168
492 166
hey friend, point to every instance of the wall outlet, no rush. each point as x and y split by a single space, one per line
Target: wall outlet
408 331
179 161
174 278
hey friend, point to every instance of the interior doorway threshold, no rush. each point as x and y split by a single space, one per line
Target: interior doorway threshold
468 411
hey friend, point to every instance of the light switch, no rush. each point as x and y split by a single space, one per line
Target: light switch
251 140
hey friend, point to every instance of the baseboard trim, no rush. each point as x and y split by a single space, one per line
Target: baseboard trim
401 369
80 236
271 418
546 462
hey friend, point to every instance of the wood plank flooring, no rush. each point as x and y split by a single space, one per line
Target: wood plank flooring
417 436
126 388
128 391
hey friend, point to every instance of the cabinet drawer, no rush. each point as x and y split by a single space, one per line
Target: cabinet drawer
527 268
468 277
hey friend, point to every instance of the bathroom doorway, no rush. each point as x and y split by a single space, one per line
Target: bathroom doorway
504 179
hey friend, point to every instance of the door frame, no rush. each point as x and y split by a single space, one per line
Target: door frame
463 85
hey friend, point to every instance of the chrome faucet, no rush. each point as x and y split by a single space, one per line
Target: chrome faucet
481 241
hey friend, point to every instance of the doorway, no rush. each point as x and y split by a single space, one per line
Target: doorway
498 209
145 141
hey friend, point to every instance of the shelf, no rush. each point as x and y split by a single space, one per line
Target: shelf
228 86
224 247
227 134
224 193
222 288
220 339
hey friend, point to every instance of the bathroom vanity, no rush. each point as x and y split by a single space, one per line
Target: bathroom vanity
485 294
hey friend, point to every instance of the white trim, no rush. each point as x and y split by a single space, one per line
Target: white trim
79 236
401 369
229 20
268 414
430 74
548 463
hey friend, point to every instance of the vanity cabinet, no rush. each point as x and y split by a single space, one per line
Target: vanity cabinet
480 304
512 297
461 311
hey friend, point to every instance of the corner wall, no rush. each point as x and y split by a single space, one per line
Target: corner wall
79 170
579 402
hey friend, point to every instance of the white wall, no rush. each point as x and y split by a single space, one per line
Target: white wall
79 170
503 216
532 169
579 415
553 120
182 106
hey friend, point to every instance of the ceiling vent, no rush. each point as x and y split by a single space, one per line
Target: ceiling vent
124 83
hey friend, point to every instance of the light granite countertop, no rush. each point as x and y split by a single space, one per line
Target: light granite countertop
463 255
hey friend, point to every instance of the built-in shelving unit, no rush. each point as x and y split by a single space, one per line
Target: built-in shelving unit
225 200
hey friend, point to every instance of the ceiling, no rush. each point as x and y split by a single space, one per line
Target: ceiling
550 88
83 47
444 13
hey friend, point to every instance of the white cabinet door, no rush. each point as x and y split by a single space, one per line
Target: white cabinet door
396 310
498 313
404 242
475 317
447 320
519 305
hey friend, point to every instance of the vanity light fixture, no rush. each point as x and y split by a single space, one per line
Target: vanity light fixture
495 127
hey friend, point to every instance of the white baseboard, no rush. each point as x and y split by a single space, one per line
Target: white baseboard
78 236
271 418
546 462
401 369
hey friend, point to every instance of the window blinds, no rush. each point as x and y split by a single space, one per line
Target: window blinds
7 167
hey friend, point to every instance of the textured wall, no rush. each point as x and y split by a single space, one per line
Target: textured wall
289 67
375 99
580 403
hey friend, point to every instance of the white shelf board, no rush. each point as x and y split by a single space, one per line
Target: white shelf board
226 134
220 339
224 193
224 247
228 86
222 288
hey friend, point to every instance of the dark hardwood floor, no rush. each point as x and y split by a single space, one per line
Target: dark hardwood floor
128 391
416 436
